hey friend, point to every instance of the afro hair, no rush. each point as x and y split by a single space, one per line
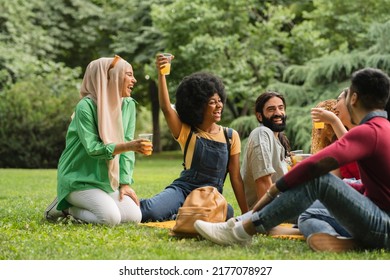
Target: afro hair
193 94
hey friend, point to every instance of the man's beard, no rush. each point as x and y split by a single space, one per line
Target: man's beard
268 122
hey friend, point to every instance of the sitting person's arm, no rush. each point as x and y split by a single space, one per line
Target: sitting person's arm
262 185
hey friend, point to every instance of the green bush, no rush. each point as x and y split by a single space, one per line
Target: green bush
34 116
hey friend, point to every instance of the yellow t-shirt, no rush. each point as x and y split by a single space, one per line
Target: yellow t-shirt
218 137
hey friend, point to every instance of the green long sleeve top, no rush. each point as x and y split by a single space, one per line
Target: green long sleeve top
83 163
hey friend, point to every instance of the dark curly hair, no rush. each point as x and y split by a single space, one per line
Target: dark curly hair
194 93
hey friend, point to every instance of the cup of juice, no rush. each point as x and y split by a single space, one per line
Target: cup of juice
297 158
166 70
319 125
148 137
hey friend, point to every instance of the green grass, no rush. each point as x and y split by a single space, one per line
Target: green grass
25 235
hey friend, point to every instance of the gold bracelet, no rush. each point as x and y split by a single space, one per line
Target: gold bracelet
270 195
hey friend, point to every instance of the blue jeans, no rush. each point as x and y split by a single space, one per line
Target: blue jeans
208 168
357 214
318 219
164 206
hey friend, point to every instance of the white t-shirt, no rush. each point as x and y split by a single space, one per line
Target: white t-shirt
264 155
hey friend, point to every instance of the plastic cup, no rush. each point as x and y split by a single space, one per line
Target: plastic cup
297 158
166 70
319 125
297 152
149 139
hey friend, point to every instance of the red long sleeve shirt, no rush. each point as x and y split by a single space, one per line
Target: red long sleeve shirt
350 170
368 144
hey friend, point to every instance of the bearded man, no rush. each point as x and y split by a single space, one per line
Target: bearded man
365 216
267 147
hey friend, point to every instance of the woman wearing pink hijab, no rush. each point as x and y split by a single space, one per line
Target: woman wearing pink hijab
95 169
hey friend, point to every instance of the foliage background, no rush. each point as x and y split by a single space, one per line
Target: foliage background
305 49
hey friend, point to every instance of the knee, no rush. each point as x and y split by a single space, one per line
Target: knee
303 217
136 216
130 211
110 219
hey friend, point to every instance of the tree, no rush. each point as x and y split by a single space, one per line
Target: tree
36 33
137 39
323 78
37 92
322 44
34 116
243 50
304 49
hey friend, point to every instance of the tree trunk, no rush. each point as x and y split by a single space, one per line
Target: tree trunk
153 94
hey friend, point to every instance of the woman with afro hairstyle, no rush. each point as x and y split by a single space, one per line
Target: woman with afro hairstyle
200 99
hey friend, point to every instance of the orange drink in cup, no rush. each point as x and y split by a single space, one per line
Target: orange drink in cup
166 70
148 141
297 158
319 125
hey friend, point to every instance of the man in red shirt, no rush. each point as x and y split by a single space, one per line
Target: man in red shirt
365 216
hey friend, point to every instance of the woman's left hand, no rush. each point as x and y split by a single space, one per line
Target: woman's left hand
127 190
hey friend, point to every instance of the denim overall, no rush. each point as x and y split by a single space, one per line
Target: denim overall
208 168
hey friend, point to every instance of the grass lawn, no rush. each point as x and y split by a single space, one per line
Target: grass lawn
25 235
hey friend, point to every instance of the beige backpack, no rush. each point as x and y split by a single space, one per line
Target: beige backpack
204 203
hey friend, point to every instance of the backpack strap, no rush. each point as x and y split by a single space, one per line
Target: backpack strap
186 147
228 132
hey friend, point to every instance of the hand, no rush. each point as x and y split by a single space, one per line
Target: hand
142 146
322 115
161 60
127 190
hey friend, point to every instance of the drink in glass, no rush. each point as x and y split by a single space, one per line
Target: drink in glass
166 70
148 141
319 125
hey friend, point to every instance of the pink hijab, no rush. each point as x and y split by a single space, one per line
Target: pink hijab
103 83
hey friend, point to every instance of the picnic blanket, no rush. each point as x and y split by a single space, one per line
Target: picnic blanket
170 225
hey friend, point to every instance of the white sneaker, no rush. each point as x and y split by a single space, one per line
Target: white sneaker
220 233
52 214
